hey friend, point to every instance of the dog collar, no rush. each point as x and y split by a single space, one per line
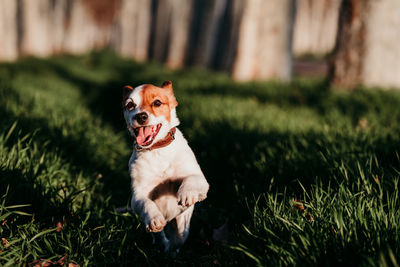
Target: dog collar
162 143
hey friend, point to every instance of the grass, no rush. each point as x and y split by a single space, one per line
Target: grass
268 150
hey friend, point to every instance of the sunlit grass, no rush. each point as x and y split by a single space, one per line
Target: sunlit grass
64 152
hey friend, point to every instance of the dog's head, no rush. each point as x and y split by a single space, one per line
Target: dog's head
149 112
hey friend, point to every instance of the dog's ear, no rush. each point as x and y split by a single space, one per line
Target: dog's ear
126 90
167 84
171 97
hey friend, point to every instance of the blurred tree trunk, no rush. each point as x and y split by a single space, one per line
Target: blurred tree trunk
249 38
43 27
132 33
205 31
367 50
89 24
171 32
315 26
51 27
9 29
264 41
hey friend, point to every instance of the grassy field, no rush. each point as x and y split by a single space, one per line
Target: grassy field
300 174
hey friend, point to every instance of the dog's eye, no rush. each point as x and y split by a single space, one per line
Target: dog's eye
130 105
157 103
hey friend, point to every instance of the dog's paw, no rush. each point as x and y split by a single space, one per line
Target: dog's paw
156 224
188 198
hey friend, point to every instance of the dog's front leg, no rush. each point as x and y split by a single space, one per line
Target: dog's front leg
193 189
149 213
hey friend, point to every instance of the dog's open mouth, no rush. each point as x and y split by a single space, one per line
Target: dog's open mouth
145 135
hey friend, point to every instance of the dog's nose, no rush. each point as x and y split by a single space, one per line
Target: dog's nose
141 118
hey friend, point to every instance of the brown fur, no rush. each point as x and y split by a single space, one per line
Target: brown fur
150 93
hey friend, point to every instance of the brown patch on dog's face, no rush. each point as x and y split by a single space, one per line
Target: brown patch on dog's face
158 101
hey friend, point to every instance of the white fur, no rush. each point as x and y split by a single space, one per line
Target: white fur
174 170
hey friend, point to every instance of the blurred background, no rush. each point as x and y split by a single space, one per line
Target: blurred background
355 42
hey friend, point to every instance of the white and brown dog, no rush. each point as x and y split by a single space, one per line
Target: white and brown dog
166 178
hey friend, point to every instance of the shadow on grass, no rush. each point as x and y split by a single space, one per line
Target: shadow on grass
240 165
77 150
23 190
105 99
316 95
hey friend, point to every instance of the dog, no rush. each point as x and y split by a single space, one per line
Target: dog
166 179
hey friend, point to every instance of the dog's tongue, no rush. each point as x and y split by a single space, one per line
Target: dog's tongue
143 135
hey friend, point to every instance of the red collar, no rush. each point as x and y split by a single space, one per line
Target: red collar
162 143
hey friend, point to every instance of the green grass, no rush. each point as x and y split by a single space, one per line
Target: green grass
64 152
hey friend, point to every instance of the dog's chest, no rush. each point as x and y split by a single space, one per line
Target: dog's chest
150 168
